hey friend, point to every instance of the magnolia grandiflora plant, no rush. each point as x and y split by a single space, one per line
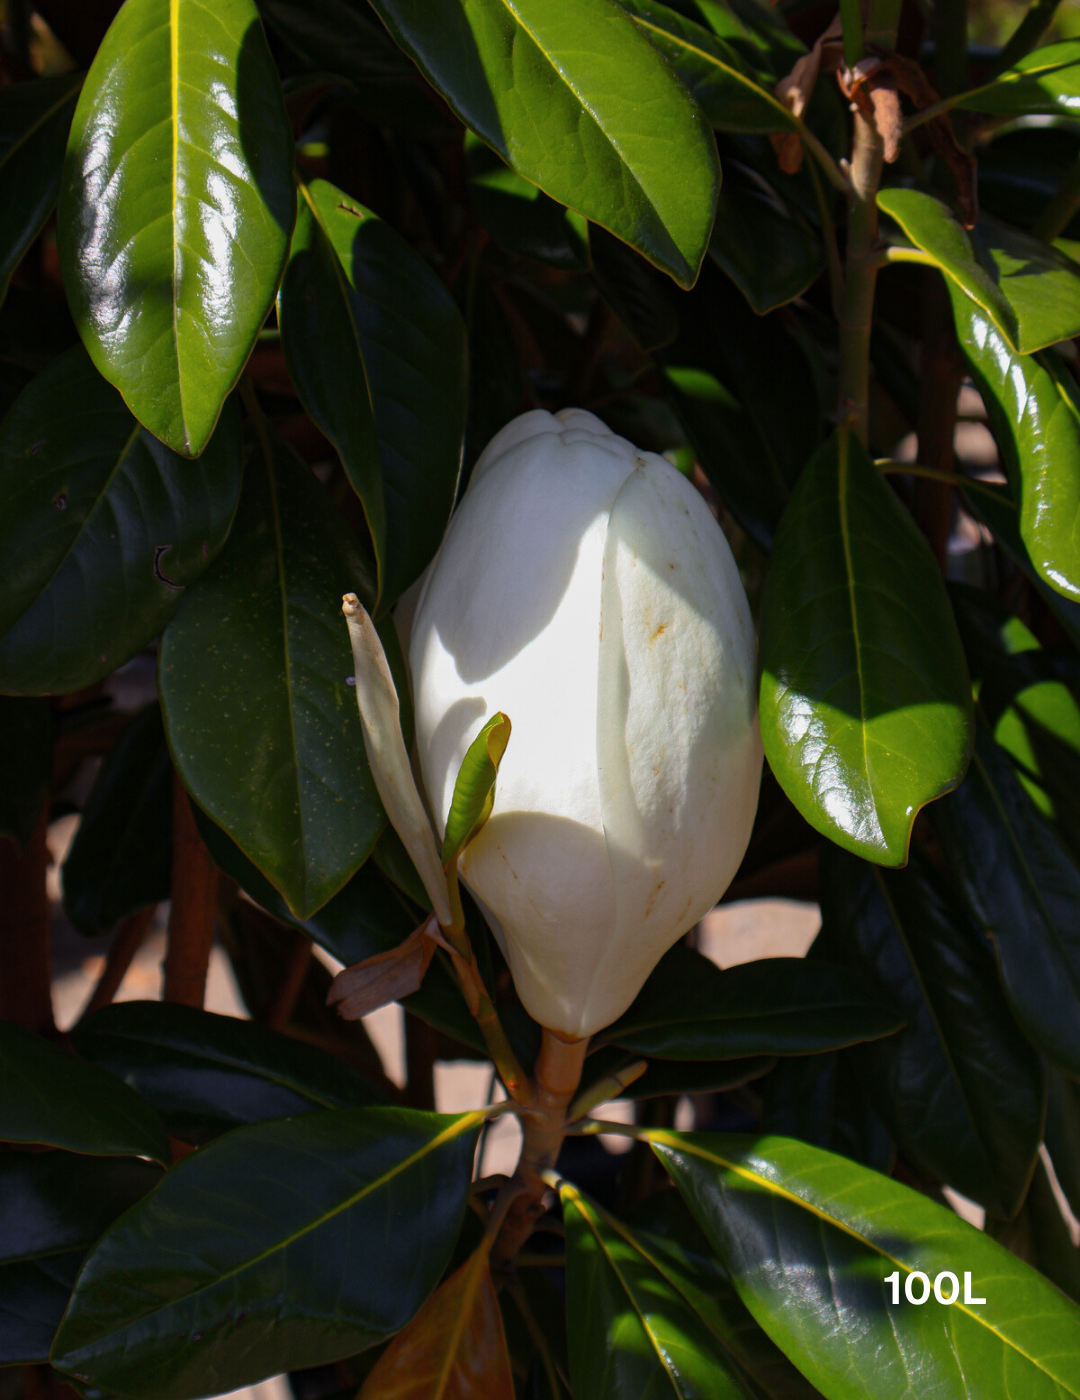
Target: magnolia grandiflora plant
584 586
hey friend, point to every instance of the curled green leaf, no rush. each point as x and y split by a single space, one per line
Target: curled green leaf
474 791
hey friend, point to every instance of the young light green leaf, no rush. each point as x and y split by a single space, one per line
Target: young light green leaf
52 1097
474 790
376 696
1034 407
176 208
865 697
576 99
777 1210
1027 288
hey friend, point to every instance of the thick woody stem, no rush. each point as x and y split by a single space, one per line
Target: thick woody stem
127 940
556 1078
194 900
862 266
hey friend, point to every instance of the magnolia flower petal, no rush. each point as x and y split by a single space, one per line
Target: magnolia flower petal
380 717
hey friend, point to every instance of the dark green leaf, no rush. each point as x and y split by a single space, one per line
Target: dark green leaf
519 216
1023 890
734 94
391 857
121 858
865 697
1021 169
664 1077
376 349
496 386
777 1211
577 101
48 1096
206 1073
638 1324
26 755
960 1089
763 243
642 299
262 725
34 122
54 1202
721 377
273 1247
337 36
752 30
103 528
176 208
1040 1236
690 1010
33 1296
1034 407
474 787
1063 1135
820 1099
1045 80
1028 290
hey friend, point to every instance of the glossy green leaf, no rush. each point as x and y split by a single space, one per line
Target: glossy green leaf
376 348
1063 1135
55 1202
1027 289
577 101
1047 80
474 787
52 1097
103 528
34 122
253 672
664 1077
691 1010
33 1296
121 857
821 1099
205 1073
634 1327
519 216
287 1266
26 760
733 94
1034 407
765 245
960 1088
336 36
865 697
1040 1236
1023 889
176 208
720 377
776 1210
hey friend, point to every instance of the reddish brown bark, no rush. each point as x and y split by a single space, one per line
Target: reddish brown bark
25 969
194 897
126 943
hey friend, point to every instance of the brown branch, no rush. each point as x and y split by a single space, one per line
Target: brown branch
292 983
126 943
25 968
194 892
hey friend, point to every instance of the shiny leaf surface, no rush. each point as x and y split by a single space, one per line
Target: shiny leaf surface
865 697
474 787
287 1266
762 242
691 1010
262 726
103 528
55 1202
1045 80
1034 405
1028 289
176 208
206 1073
454 1348
34 122
376 348
520 217
33 1296
638 1325
577 101
26 760
1023 889
773 1208
960 1088
49 1096
121 857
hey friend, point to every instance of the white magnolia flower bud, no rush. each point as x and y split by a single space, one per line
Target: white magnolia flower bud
584 588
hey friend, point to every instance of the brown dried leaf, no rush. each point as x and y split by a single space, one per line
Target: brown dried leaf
387 976
795 90
888 119
453 1349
